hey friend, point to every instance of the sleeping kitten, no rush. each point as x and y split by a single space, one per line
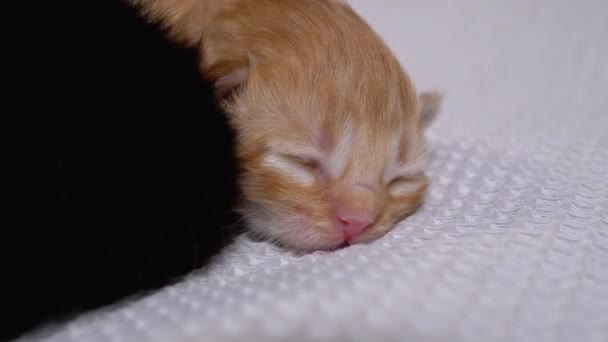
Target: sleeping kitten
329 127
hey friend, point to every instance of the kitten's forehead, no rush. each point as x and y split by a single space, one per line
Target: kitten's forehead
361 152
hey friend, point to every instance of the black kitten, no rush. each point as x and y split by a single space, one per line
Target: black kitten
122 173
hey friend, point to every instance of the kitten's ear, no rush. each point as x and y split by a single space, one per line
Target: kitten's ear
233 79
430 104
227 83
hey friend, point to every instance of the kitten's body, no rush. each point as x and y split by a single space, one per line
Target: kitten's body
121 169
329 134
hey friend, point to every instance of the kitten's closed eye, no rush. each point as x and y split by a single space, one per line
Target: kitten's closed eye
404 185
308 162
299 167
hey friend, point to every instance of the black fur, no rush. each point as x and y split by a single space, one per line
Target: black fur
121 167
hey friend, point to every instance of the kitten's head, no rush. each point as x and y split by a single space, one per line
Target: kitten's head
328 161
329 138
328 126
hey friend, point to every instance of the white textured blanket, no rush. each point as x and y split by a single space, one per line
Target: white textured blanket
512 243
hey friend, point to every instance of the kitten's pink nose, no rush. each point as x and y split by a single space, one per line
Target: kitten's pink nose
353 225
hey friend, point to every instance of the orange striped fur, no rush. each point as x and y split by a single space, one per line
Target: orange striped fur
325 115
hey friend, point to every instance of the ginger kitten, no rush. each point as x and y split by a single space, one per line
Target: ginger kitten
329 126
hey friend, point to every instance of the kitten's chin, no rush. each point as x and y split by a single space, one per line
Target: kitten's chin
293 232
309 243
324 247
305 244
300 245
